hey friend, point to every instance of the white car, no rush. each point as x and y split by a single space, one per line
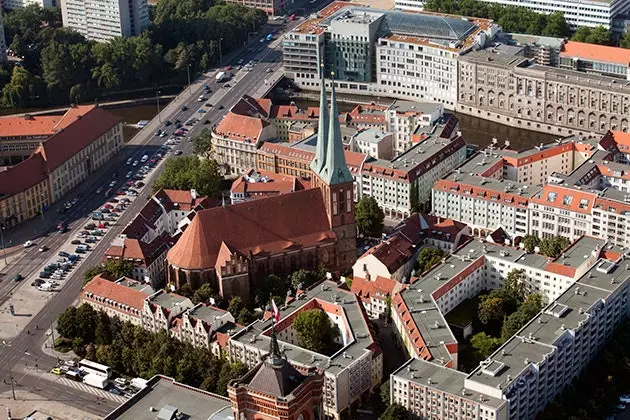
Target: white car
201 98
28 244
135 163
112 184
129 161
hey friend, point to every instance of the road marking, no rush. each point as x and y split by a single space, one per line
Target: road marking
89 389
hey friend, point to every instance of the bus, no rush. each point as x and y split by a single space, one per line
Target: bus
95 368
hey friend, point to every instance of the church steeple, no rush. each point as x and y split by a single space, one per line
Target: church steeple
335 170
322 133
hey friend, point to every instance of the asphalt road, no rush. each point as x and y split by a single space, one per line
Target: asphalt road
25 348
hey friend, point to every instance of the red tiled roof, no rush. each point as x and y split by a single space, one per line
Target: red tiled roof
594 52
84 125
241 127
134 249
393 252
43 126
367 289
275 184
183 199
267 225
22 176
461 188
565 198
108 289
621 138
292 112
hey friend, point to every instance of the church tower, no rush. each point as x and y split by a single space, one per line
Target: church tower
332 176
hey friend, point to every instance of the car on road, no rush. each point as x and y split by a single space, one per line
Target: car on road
129 174
221 106
162 134
201 98
112 184
226 86
201 111
206 122
28 244
158 132
240 61
139 184
178 152
56 371
99 190
64 253
269 70
135 163
43 248
129 161
184 108
167 123
18 277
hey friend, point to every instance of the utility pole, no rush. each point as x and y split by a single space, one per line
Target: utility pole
188 71
6 345
4 250
52 331
220 53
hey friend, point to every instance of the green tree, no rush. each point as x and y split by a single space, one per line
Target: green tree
517 320
118 268
483 344
369 217
103 329
553 247
491 308
235 306
598 35
203 294
92 272
86 323
315 330
19 92
531 242
624 42
228 372
273 286
186 291
395 412
245 317
556 26
384 393
202 143
304 278
428 257
188 172
514 289
67 323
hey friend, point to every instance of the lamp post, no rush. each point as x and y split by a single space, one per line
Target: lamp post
188 72
220 53
43 196
5 345
52 331
4 250
157 99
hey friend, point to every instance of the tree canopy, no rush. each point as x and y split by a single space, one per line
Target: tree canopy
187 172
114 268
428 257
316 331
60 65
202 143
395 412
553 247
511 18
598 35
531 242
132 351
369 217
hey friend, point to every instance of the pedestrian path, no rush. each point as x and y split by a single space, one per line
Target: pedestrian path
86 388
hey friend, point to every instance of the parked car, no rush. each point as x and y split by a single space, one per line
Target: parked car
75 242
65 254
18 277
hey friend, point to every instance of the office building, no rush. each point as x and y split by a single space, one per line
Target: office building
387 53
102 20
596 59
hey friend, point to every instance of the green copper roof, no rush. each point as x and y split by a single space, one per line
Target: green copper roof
335 170
322 134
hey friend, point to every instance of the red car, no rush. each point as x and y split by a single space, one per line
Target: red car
228 68
108 206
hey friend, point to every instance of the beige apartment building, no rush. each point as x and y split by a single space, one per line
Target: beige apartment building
512 90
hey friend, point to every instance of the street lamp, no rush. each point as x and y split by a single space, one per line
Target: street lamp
4 250
5 345
157 99
220 53
188 72
52 331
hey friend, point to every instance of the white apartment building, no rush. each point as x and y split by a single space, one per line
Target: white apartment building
587 298
352 372
18 4
415 54
102 20
200 323
404 118
483 203
590 13
373 142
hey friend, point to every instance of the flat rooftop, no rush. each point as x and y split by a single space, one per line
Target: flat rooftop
372 135
163 393
498 185
480 163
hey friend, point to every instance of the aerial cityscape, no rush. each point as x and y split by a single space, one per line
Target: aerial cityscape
314 209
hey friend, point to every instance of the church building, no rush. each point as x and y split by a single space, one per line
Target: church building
235 247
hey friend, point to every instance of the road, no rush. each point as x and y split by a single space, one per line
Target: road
26 347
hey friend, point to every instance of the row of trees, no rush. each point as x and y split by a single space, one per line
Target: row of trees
132 351
60 65
550 247
503 312
112 268
186 172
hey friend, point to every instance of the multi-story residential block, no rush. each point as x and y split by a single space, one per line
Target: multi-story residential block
384 53
292 123
375 143
123 298
81 141
521 377
102 20
161 310
259 184
542 49
353 371
239 134
148 259
514 91
204 326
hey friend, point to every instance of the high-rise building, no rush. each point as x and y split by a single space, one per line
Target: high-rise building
102 20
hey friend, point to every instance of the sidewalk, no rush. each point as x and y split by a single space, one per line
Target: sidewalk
28 404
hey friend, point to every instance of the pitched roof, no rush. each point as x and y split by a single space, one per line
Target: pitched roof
40 126
84 125
22 176
134 249
278 382
260 183
102 287
596 52
565 198
241 127
260 226
393 252
183 198
378 288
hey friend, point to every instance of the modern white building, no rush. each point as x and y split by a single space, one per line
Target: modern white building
387 53
102 20
591 13
18 4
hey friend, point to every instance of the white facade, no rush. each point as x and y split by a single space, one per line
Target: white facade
102 20
18 4
404 122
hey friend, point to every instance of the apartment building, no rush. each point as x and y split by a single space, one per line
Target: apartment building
204 326
521 377
352 372
512 90
388 53
18 4
291 122
256 184
238 135
543 50
148 259
102 20
373 142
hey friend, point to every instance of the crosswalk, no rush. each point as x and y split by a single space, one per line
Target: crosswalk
89 389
